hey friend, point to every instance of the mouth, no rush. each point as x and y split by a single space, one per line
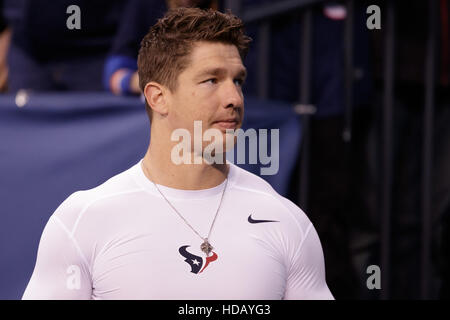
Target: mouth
226 124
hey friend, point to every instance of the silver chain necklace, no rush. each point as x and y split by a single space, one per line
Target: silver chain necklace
206 247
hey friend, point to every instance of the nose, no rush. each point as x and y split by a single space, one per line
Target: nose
233 97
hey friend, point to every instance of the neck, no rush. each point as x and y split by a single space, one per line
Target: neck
159 168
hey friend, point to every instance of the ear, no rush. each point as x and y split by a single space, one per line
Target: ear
155 94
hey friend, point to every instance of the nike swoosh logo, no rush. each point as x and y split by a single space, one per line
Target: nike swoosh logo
259 221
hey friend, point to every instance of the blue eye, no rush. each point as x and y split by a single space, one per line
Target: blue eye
239 82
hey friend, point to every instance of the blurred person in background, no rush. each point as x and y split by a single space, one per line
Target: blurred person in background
46 55
120 72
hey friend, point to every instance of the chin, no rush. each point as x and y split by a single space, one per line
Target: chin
229 141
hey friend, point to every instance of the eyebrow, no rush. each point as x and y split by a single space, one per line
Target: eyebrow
219 71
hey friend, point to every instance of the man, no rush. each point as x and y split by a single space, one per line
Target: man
162 230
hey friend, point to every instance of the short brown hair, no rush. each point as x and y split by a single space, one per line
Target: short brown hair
165 48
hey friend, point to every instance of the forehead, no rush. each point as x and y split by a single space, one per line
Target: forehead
211 54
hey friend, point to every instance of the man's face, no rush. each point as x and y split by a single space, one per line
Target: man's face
209 89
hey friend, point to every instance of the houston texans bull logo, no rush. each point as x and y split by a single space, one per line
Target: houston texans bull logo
196 262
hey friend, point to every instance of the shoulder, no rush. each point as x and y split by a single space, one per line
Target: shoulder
263 197
120 186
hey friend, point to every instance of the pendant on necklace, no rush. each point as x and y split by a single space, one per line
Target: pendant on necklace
206 247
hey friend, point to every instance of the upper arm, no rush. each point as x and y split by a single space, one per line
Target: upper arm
306 272
60 272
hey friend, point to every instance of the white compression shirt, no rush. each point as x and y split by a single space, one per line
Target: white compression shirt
121 240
